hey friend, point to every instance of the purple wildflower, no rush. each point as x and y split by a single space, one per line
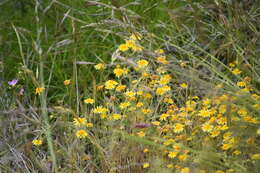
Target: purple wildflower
13 82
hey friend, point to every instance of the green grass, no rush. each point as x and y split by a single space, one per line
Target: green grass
43 43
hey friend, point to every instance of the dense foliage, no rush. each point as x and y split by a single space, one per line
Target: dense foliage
129 86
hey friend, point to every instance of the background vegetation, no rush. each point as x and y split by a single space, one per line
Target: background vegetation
45 42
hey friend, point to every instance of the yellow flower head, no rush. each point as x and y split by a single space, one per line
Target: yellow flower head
100 66
79 121
184 85
237 152
205 113
185 170
206 127
120 71
66 82
141 134
162 59
130 94
226 146
164 117
124 105
241 84
89 125
39 90
159 51
142 63
178 128
110 84
236 71
172 154
120 88
219 171
146 150
37 142
117 116
163 90
155 123
165 80
100 110
255 156
123 47
89 101
136 36
139 104
81 134
137 48
183 157
146 165
146 111
169 166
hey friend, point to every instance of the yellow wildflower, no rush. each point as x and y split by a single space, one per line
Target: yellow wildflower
206 127
214 133
117 116
146 111
89 101
206 102
37 142
219 171
99 66
146 165
185 170
205 113
184 85
124 105
232 64
139 104
159 51
79 121
130 94
136 36
100 87
169 166
100 110
236 71
142 63
141 134
172 154
178 128
146 150
66 82
183 157
164 117
120 71
123 47
165 79
89 125
163 90
110 84
120 88
156 123
137 48
241 84
242 112
226 146
81 134
237 152
255 156
39 90
162 59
